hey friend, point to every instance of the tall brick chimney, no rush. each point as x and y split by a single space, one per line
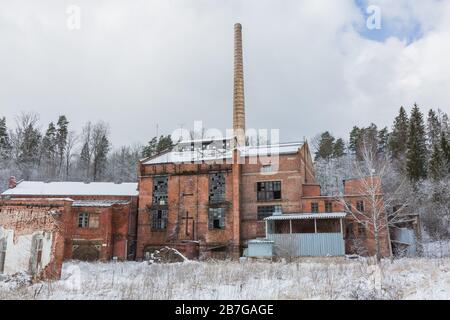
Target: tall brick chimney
238 89
12 182
239 133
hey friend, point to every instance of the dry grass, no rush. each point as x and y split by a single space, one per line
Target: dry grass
318 278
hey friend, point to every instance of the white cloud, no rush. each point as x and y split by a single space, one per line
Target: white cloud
139 63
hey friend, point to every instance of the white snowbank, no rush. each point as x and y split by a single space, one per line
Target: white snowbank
320 278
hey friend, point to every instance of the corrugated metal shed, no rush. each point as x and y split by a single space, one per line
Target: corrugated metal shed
260 248
308 244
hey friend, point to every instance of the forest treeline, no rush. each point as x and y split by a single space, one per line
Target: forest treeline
414 153
60 153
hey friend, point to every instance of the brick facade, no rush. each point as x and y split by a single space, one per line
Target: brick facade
188 186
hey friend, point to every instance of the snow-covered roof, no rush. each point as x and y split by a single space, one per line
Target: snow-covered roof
40 188
260 241
98 203
223 154
203 140
303 216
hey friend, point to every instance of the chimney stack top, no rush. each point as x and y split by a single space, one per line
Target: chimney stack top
238 88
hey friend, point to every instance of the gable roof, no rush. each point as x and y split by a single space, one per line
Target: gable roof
40 188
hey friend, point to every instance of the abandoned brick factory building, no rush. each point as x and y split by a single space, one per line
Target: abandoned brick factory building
218 198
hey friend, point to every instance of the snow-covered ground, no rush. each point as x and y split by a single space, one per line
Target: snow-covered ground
318 278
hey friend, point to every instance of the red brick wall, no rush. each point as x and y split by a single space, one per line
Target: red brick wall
118 226
291 172
292 177
187 192
311 190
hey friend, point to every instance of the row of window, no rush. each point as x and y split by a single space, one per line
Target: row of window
216 218
329 206
266 190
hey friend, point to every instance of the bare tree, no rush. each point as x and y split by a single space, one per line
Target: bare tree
72 140
375 213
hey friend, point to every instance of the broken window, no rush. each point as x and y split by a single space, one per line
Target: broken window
361 230
83 220
36 253
360 206
349 230
268 190
267 211
314 207
216 187
328 206
159 219
3 244
216 218
160 190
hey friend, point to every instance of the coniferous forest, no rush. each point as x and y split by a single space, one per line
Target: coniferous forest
416 147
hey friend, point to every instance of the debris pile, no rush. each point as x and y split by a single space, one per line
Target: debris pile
166 255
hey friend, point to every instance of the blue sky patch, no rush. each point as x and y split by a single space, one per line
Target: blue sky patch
405 28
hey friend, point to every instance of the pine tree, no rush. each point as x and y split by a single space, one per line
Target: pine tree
326 145
437 168
416 160
383 137
150 149
156 146
164 143
29 151
85 160
370 139
100 158
5 145
433 130
399 137
61 140
338 148
445 148
48 151
355 135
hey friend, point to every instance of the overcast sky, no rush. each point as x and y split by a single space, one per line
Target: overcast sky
309 66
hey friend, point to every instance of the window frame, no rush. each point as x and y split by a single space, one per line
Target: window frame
159 219
83 220
218 180
328 206
362 230
314 207
157 194
264 211
360 205
212 218
268 190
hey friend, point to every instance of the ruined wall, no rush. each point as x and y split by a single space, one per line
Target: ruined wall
34 236
124 224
